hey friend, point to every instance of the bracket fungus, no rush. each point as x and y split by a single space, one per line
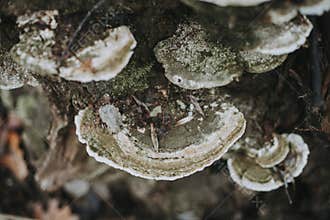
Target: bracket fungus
273 165
307 7
106 57
101 61
254 62
314 7
224 3
284 38
187 147
34 51
276 28
12 75
192 60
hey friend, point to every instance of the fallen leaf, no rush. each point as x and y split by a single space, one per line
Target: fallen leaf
14 158
54 212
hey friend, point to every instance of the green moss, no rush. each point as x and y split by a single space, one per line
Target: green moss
134 78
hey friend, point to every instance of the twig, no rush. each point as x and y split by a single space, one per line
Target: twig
184 120
117 212
140 103
286 185
222 203
75 34
154 137
194 101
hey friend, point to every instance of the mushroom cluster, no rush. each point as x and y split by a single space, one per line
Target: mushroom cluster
256 39
270 166
192 60
167 131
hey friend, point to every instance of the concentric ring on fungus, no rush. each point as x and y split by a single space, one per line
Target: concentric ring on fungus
183 150
273 165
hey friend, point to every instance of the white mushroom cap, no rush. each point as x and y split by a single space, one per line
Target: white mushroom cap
314 7
183 151
106 57
256 173
282 39
224 3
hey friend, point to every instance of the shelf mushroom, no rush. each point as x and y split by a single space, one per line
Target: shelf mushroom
276 24
34 50
255 62
193 61
271 166
12 75
224 3
101 61
267 31
314 7
284 38
105 59
307 7
189 145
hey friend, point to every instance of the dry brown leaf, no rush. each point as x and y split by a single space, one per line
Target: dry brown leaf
62 163
14 159
54 212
